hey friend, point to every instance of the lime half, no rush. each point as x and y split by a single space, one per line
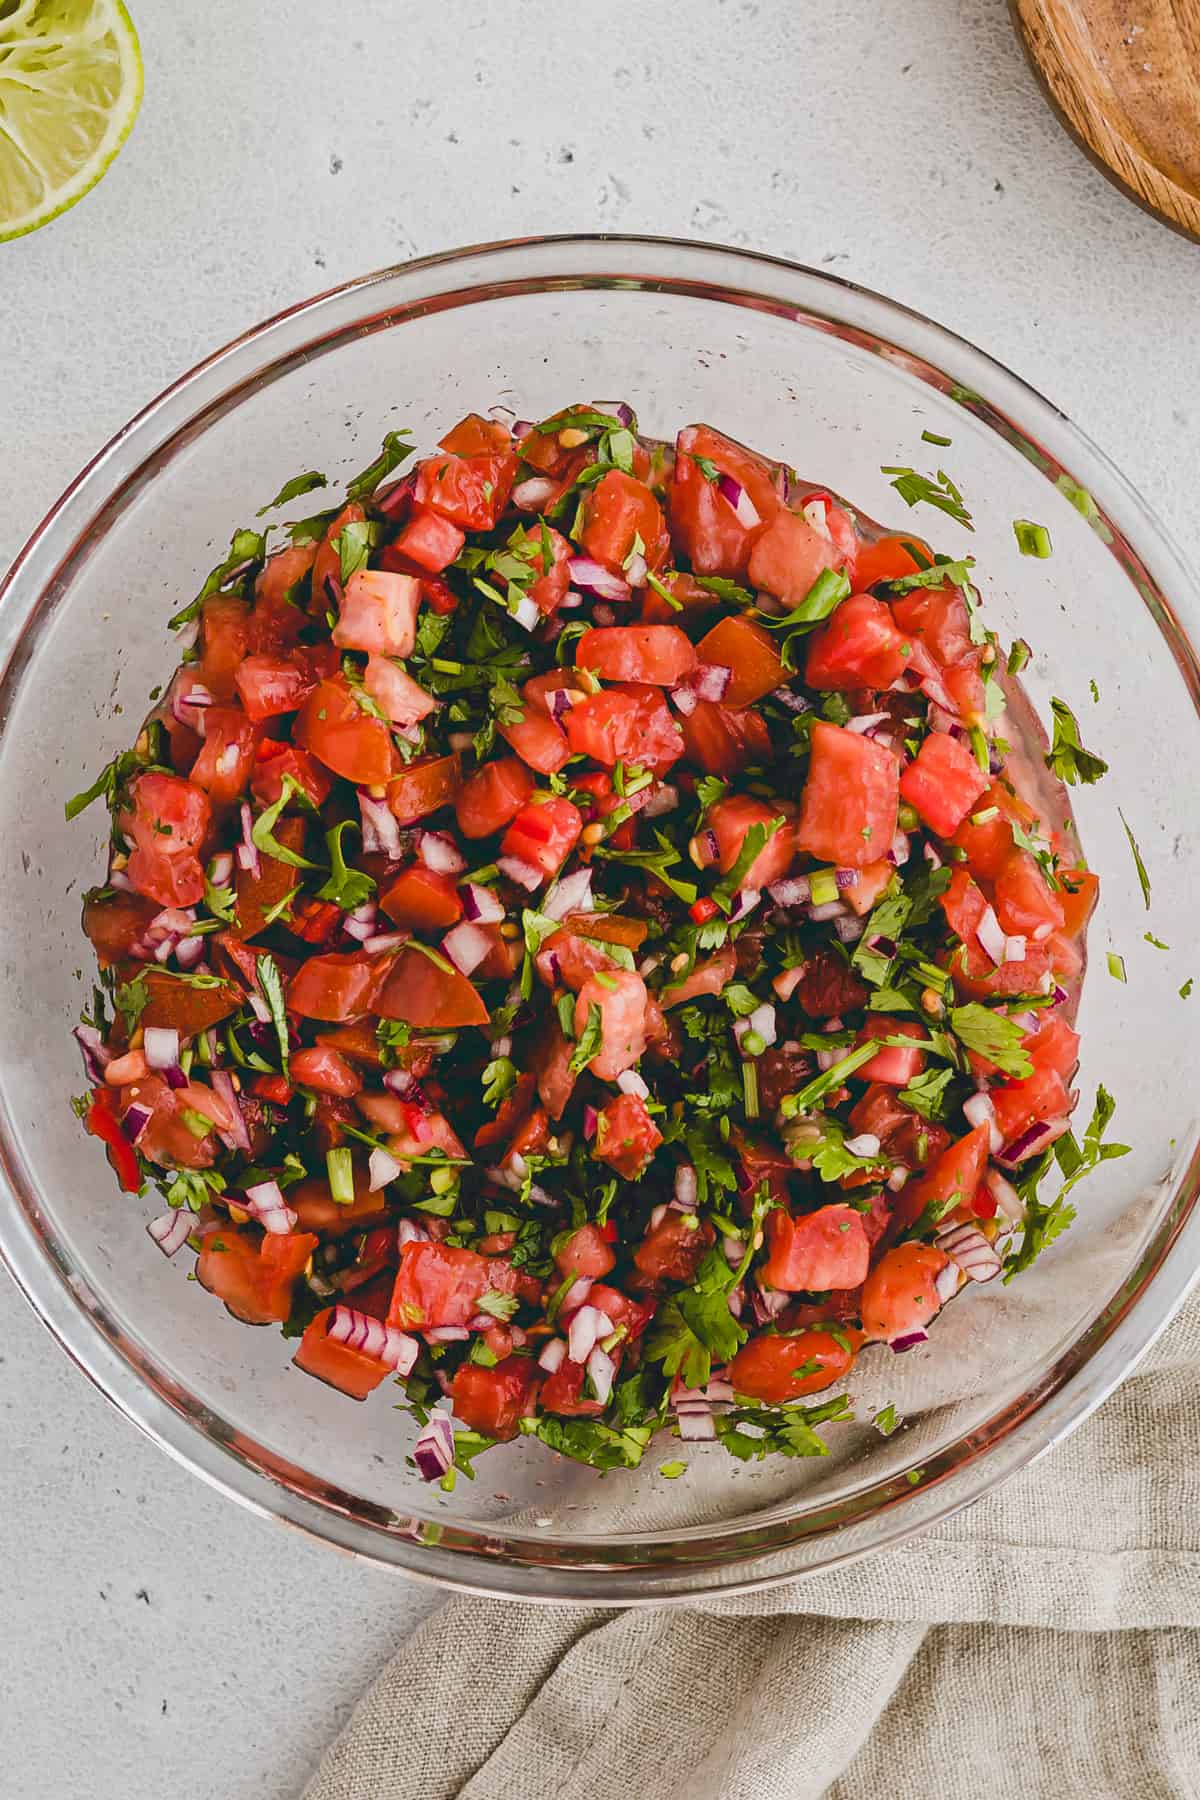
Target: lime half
70 88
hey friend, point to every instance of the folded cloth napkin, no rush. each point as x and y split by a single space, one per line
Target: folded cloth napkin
1043 1645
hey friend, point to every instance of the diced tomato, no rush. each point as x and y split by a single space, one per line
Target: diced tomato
747 650
824 1249
430 998
900 1294
943 783
185 1009
584 1252
326 1070
278 577
1025 903
552 1066
621 996
656 654
472 491
848 810
353 1372
394 691
975 973
338 986
423 899
829 987
871 881
166 822
685 589
963 683
266 783
952 1180
711 975
939 617
538 739
860 647
562 1392
503 959
430 541
634 1315
732 818
704 523
626 1136
477 436
784 1366
223 642
269 685
273 1088
326 586
568 958
630 724
722 742
378 613
904 1136
673 1249
102 1122
253 1276
494 1400
893 1066
618 510
424 786
549 589
227 755
259 896
1041 1097
887 559
1077 895
116 924
439 1285
333 725
964 905
491 798
788 557
1054 1045
544 833
988 843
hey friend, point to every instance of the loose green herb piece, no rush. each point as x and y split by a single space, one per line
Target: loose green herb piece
1032 540
291 490
1116 966
246 548
347 888
939 491
931 437
1067 756
395 452
1143 877
271 983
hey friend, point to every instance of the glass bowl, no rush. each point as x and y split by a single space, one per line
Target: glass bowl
838 382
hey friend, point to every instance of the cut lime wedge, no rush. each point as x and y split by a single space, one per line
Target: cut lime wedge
70 88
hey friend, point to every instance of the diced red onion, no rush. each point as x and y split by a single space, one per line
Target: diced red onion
160 1046
95 1056
1032 1142
762 1020
897 1179
135 1122
409 1232
1014 948
361 1331
849 929
391 501
576 1296
1007 1199
439 852
908 1340
1039 934
503 415
863 722
552 1355
794 890
930 854
590 1120
744 902
696 1427
900 851
602 1372
990 933
794 702
562 699
827 1058
970 1251
382 1167
117 878
571 893
595 579
189 952
530 495
979 1110
356 929
480 904
248 857
707 681
404 1083
259 1008
238 1137
845 878
686 700
588 1325
744 508
829 909
865 1144
718 1392
171 1230
466 945
433 1451
630 1082
380 828
448 1334
616 409
265 1200
946 1282
663 798
687 1185
523 873
382 941
526 613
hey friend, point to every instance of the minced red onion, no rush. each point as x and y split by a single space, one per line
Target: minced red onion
237 1137
897 1179
658 1215
602 1372
979 1110
523 873
552 1355
382 1167
409 1232
529 495
380 828
171 1230
448 1334
382 941
967 1247
588 1325
946 1282
1014 948
160 1046
793 701
433 1451
259 1008
686 700
134 1122
630 1082
361 1331
744 508
636 571
849 930
439 852
696 1427
687 1185
402 1082
663 798
827 1058
595 579
576 1296
762 1020
744 902
189 952
1032 1142
248 857
96 1056
466 945
590 1120
117 878
865 1144
480 903
908 1340
991 936
1006 1197
616 409
265 1200
863 722
526 613
829 909
572 893
794 890
1041 932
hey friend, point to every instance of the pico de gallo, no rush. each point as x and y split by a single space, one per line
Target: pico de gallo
591 935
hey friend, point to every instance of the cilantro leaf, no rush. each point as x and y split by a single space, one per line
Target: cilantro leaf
993 1035
824 596
1143 877
831 1078
499 1079
353 544
1077 1160
245 547
724 589
1067 756
262 830
926 1093
396 450
588 1441
956 571
657 862
591 1040
271 983
131 999
345 887
108 783
915 490
756 838
291 490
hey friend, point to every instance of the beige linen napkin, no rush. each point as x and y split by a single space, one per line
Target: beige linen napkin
1043 1645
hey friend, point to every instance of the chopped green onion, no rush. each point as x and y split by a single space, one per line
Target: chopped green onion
340 1172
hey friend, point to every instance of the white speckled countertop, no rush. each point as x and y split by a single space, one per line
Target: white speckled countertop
157 1639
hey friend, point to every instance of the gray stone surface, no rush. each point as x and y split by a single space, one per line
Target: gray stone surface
157 1639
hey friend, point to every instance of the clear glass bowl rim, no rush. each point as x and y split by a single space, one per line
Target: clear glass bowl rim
619 1570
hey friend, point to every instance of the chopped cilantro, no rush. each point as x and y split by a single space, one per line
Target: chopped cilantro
992 1035
263 828
591 1040
1067 756
1157 942
915 489
1140 866
757 837
672 1470
291 490
271 983
345 887
885 1421
245 547
396 450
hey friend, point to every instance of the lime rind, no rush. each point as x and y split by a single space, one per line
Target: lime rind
71 84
